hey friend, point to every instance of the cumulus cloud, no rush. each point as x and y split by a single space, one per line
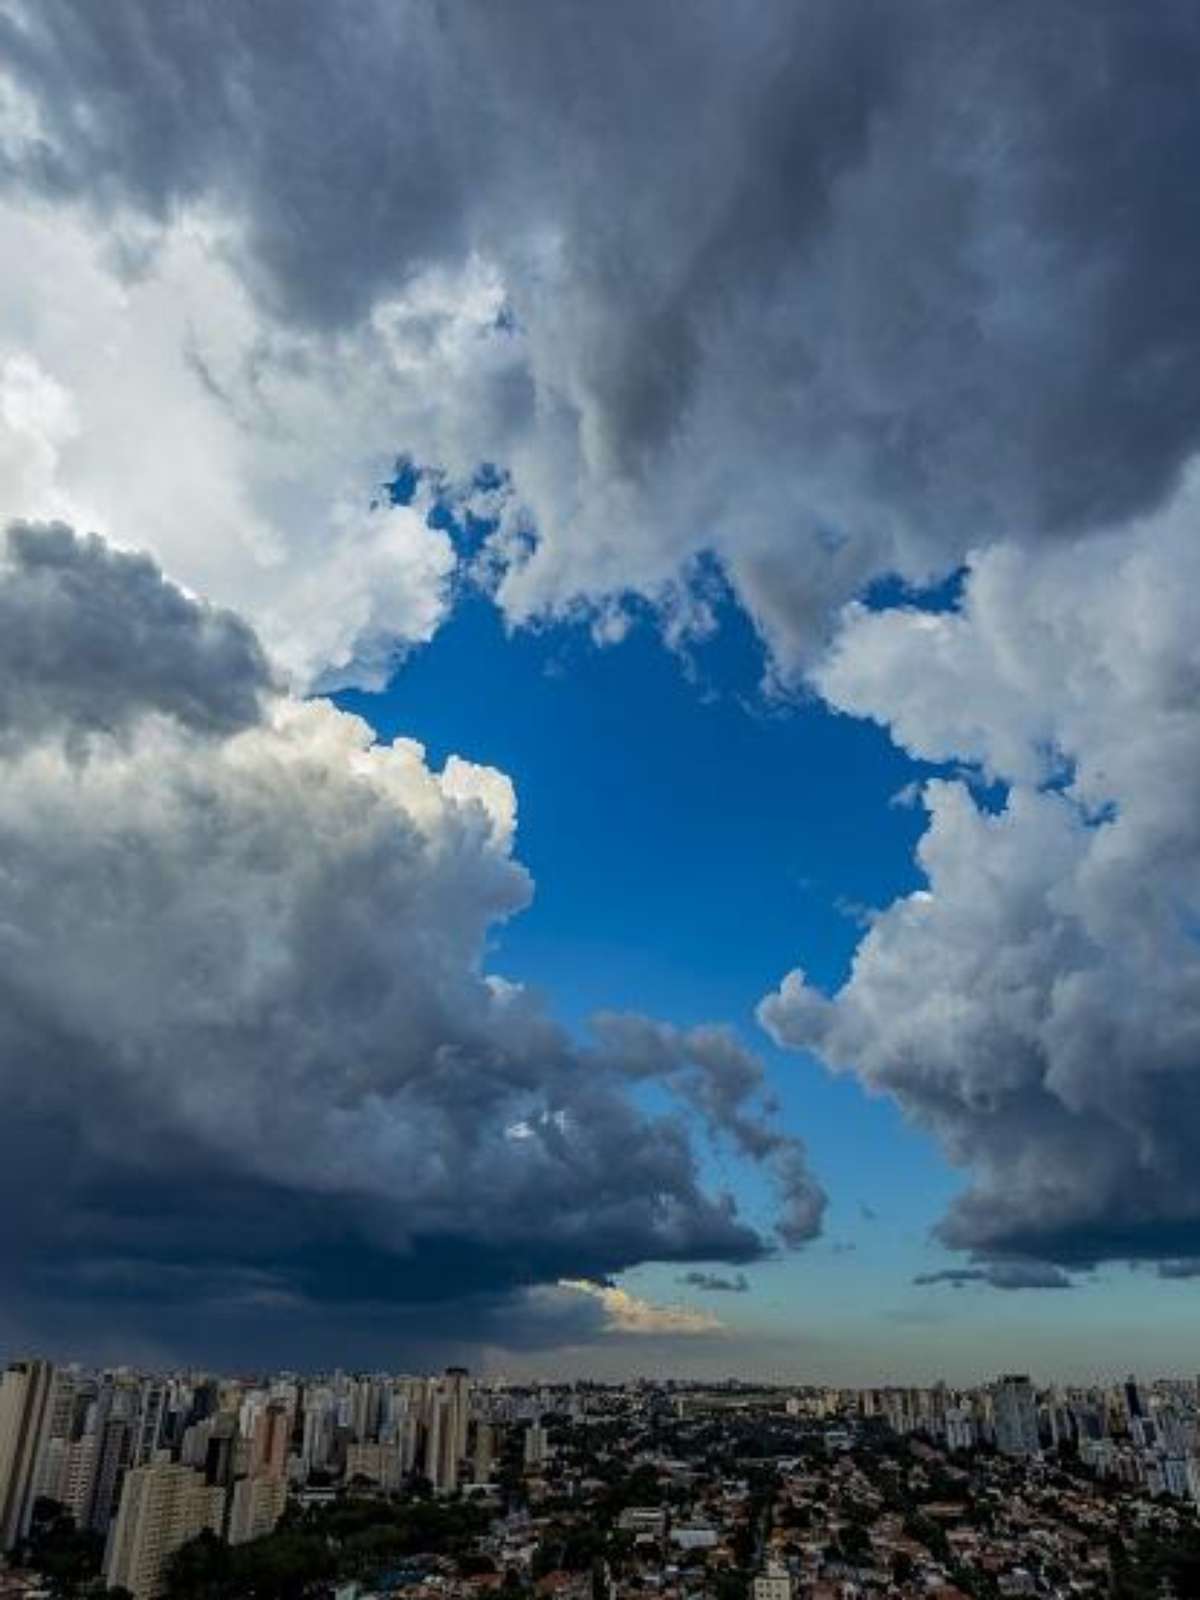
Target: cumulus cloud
909 284
627 1313
715 1283
245 1020
94 640
1035 1004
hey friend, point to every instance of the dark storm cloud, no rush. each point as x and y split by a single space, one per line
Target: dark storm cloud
1186 1268
91 639
241 1014
713 1072
714 1283
828 288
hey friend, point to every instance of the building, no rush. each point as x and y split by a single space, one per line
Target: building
256 1507
959 1428
269 1441
162 1507
24 1398
446 1443
537 1446
772 1583
1016 1416
380 1464
485 1452
114 1445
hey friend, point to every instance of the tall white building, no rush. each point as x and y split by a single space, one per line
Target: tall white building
24 1397
256 1507
162 1507
446 1441
537 1445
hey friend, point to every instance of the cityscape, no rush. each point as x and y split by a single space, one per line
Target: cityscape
357 1487
599 799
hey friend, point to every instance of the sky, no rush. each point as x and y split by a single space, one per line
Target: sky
598 693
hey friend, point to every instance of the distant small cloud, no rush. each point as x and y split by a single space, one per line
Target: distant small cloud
714 1283
909 795
626 1313
1001 1275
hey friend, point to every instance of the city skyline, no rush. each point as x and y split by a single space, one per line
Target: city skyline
599 695
128 1482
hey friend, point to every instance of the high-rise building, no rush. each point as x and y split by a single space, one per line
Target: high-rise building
162 1507
536 1445
114 1446
269 1441
1016 1416
380 1464
1133 1399
24 1396
446 1442
256 1507
485 1452
79 1478
150 1421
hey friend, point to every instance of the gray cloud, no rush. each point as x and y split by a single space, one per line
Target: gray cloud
1001 1275
905 286
91 639
714 1073
1189 1267
715 1283
242 1017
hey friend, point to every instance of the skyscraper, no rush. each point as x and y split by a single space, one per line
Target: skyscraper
24 1395
1016 1416
446 1443
256 1507
162 1507
269 1441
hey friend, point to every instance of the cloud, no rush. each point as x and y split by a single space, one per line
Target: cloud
910 286
714 1283
1188 1267
95 640
1035 1004
1001 1275
713 1072
243 1013
626 1313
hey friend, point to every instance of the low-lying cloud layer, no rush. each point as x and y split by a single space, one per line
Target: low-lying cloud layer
244 1018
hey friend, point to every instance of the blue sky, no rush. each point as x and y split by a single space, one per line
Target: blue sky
692 837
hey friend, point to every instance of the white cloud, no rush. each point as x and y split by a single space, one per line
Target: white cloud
1036 1005
627 1313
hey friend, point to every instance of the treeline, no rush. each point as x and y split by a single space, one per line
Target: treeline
351 1538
